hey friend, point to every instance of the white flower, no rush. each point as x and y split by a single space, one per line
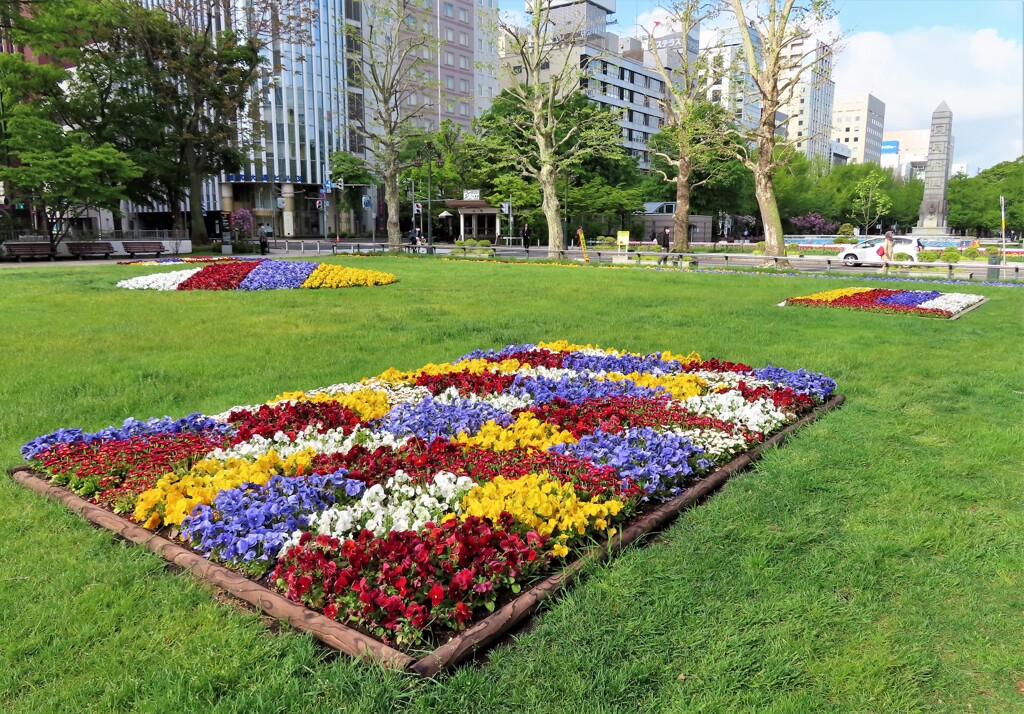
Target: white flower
758 415
158 281
952 302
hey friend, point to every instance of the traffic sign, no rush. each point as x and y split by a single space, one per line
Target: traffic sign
366 202
328 185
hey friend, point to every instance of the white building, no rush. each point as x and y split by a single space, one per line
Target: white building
905 153
858 121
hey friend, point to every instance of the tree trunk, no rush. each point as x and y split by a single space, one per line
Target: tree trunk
681 219
393 201
764 189
195 195
552 210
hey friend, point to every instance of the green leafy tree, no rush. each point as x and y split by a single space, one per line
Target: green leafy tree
974 202
62 172
870 201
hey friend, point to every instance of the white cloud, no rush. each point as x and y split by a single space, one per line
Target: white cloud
979 74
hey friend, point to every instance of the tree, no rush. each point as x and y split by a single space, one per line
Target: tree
974 201
397 41
555 130
871 202
773 42
61 171
697 126
351 174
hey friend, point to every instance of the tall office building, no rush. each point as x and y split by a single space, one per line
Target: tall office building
309 107
858 122
809 104
733 87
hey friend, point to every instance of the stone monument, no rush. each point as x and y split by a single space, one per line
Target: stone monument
931 220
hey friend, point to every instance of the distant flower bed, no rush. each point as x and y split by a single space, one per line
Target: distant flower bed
259 275
408 503
172 261
926 303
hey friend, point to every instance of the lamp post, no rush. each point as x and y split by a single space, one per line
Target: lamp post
429 145
1002 213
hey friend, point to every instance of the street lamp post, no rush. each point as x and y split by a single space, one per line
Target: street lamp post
567 239
430 214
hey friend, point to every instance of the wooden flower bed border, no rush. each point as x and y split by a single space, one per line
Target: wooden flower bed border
354 643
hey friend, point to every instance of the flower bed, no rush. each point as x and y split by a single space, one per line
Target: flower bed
410 504
259 275
926 303
196 259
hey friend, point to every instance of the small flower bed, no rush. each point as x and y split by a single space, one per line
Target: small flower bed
926 303
259 274
409 504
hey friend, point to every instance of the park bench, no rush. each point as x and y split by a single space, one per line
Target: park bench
28 250
95 247
143 246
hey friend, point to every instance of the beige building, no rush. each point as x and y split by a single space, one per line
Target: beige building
858 122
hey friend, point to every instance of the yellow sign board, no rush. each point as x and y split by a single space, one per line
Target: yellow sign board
623 239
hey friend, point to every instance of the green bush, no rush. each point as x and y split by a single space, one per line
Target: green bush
759 248
846 229
928 256
841 240
244 246
992 250
972 253
950 255
902 257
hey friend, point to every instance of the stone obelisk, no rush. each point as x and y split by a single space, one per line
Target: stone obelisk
931 221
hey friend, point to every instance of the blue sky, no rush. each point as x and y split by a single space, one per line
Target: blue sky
914 54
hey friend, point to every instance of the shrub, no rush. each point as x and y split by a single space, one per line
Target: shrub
928 256
992 250
972 253
902 257
846 229
841 240
950 255
759 248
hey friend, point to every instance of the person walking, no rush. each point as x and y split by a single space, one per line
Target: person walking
886 253
526 235
665 241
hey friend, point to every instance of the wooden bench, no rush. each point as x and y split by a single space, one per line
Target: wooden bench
143 246
96 247
28 250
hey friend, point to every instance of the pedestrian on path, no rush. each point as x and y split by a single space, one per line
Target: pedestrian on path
665 241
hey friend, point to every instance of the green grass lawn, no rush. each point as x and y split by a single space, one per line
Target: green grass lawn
873 564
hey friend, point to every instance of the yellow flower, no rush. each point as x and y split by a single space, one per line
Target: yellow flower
337 276
680 386
541 503
175 495
527 432
830 295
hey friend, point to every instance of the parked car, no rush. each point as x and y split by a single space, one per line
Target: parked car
866 251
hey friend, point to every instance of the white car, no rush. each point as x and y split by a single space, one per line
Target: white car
867 250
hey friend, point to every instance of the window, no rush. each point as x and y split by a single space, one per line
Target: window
449 82
449 58
464 86
449 107
464 39
449 34
449 10
463 62
716 96
413 100
463 15
464 109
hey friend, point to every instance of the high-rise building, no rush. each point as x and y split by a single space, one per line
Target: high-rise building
310 106
858 122
733 87
809 103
